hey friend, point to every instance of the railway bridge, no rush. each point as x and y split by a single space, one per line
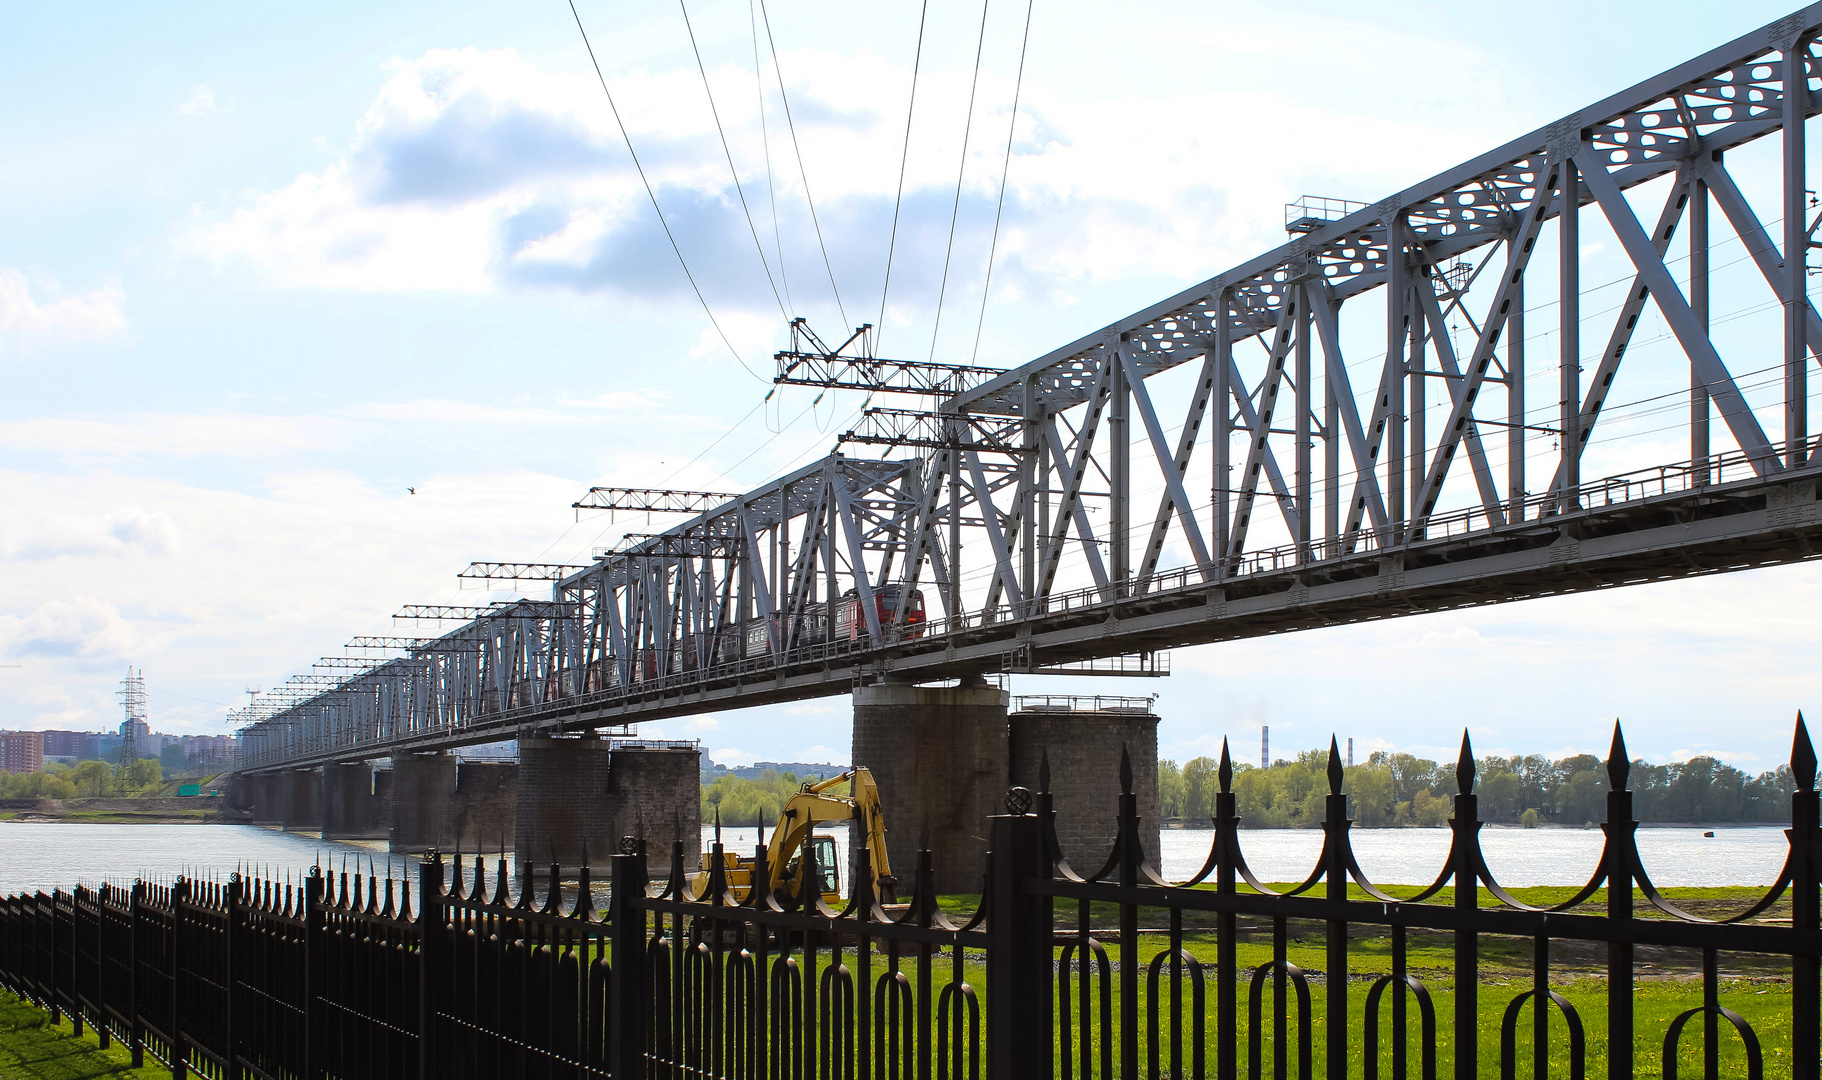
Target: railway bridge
1577 361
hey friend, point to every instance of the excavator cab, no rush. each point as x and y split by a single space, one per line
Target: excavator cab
828 866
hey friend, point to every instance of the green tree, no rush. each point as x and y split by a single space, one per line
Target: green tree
1583 797
744 800
1170 789
37 785
90 778
138 777
1371 794
1429 811
1256 799
1199 786
1410 775
1500 792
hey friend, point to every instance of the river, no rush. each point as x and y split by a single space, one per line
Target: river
47 856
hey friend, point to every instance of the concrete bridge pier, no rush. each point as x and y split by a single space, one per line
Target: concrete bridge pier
486 805
584 793
259 794
1084 737
423 789
939 755
301 792
350 808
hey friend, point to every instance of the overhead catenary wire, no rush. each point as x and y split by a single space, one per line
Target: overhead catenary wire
797 149
999 208
765 144
729 154
653 196
904 159
961 170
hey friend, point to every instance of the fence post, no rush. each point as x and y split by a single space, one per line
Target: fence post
313 976
1621 856
135 1028
1806 910
180 1055
1466 853
626 973
433 961
1019 1021
230 977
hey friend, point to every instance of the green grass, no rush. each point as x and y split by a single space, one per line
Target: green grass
32 1048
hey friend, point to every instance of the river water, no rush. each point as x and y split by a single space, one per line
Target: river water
46 856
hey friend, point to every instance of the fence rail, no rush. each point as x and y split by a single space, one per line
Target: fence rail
1054 973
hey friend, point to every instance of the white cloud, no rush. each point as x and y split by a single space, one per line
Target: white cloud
82 627
697 724
475 169
129 531
27 320
170 435
732 757
200 100
1731 757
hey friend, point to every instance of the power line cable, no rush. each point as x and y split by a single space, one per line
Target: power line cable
955 211
765 142
778 70
653 196
904 159
729 154
1005 171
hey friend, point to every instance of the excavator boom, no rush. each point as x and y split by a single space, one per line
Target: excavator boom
811 806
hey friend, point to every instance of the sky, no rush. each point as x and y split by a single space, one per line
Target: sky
266 270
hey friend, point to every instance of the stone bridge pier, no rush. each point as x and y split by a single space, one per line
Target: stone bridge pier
943 758
1084 737
351 807
300 794
938 754
579 795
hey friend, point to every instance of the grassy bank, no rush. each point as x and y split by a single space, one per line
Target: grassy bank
32 1048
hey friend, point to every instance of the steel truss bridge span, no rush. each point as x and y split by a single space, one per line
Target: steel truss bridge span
1355 412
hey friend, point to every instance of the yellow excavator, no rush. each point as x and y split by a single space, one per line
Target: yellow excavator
795 833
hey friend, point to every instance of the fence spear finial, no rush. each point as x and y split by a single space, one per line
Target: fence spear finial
1803 757
1044 771
1619 765
1464 766
1125 770
1226 772
1335 773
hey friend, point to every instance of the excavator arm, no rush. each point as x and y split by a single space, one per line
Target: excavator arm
813 806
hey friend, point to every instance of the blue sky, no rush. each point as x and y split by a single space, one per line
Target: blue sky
264 269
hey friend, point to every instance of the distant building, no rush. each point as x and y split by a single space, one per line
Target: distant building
67 744
21 751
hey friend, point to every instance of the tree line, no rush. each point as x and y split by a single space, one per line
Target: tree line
743 800
1392 790
85 780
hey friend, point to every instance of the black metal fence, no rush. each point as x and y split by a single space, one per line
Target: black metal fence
1051 974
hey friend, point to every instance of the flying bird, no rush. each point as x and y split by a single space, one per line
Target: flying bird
412 491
